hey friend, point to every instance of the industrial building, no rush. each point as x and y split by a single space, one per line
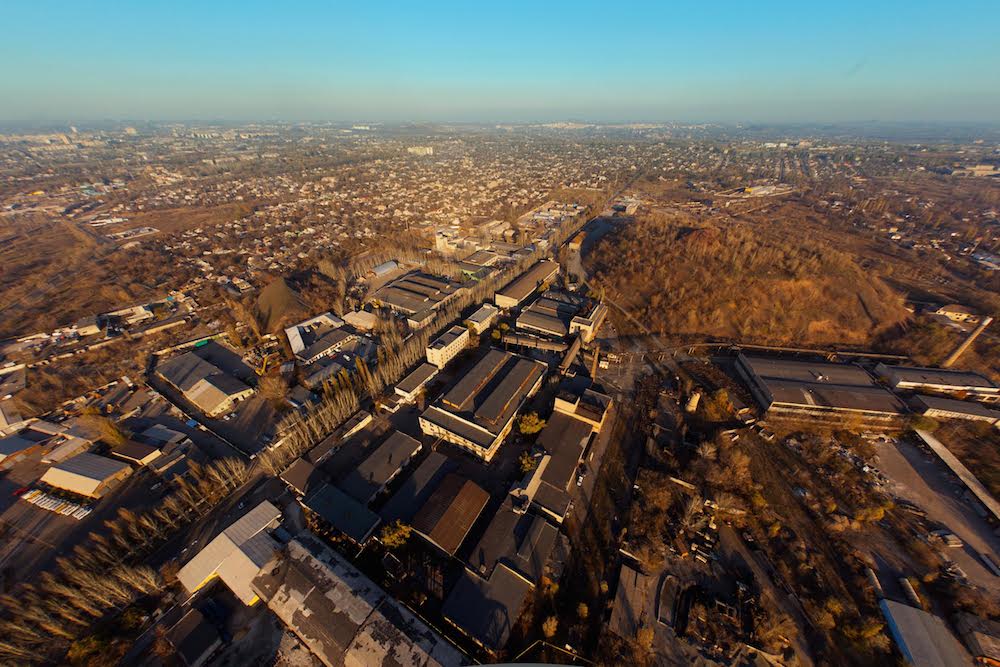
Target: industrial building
302 477
236 555
415 293
923 639
817 389
481 320
447 346
551 313
342 513
558 314
520 540
342 616
588 322
485 610
417 488
136 453
26 443
478 412
446 517
518 291
380 467
564 441
86 474
578 398
194 639
950 408
415 381
940 380
205 385
318 337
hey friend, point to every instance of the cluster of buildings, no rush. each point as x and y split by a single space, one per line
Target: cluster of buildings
326 345
417 296
336 611
805 389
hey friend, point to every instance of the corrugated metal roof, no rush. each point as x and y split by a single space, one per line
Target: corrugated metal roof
92 466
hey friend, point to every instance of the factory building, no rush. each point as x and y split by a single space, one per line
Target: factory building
817 389
518 291
478 412
86 475
940 381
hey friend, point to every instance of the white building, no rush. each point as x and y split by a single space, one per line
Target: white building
447 346
482 319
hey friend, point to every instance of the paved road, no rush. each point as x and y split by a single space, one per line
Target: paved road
920 478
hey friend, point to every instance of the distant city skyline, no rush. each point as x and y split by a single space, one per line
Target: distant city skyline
522 62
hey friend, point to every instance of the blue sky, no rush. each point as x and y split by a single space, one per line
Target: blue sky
501 61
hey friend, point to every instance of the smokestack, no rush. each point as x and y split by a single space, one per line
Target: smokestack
964 345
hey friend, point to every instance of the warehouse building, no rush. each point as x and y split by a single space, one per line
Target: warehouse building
447 516
305 334
417 488
34 440
941 381
486 610
205 385
342 513
302 477
416 293
949 408
447 346
342 616
522 541
478 412
87 475
481 320
817 389
380 467
518 291
923 639
317 337
236 555
551 313
136 453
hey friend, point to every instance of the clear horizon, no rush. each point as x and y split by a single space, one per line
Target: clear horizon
520 63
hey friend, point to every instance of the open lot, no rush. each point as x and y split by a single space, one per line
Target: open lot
917 476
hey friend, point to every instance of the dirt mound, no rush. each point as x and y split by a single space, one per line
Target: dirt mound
278 303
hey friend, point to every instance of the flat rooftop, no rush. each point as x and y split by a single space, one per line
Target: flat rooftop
341 615
819 385
447 338
417 378
941 376
487 609
342 512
